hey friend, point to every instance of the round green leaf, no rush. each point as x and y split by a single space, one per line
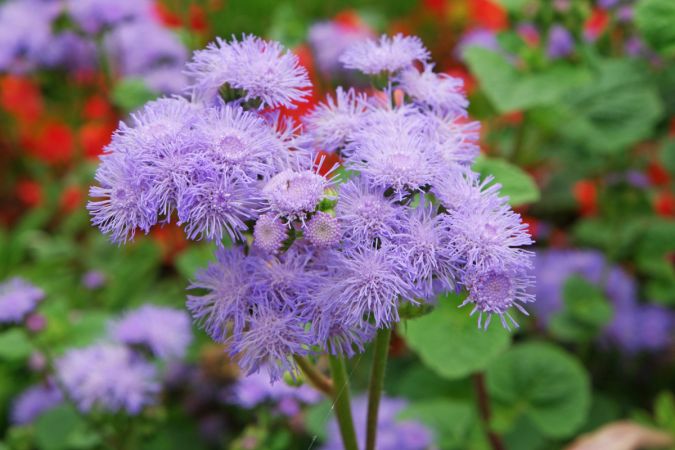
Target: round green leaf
449 342
655 18
517 184
544 384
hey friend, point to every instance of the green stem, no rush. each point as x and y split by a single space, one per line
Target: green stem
342 404
315 377
519 141
483 403
381 351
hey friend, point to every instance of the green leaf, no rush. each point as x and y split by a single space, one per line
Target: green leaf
54 429
510 90
544 384
194 258
449 342
132 93
514 6
655 19
664 411
14 345
450 420
517 184
620 107
668 156
585 312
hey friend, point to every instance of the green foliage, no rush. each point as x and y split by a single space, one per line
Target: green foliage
450 420
668 156
58 428
14 345
655 18
449 342
544 384
510 90
619 106
585 312
131 93
517 184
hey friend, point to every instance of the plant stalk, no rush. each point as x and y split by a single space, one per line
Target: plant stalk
318 380
484 409
381 351
342 403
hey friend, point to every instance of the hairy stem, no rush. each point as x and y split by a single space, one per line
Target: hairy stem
381 351
318 380
484 410
342 403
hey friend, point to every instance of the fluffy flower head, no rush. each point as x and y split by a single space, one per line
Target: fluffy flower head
18 298
388 54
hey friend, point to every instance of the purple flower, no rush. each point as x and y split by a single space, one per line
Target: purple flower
636 328
560 42
424 242
93 279
33 402
256 389
323 230
270 342
122 202
478 37
368 281
392 434
265 70
161 50
365 213
94 16
107 377
440 92
25 33
228 297
455 140
388 54
332 122
496 290
240 142
329 40
70 51
217 204
294 194
392 152
485 231
17 299
269 233
165 331
282 281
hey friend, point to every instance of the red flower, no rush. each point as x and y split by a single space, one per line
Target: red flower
586 195
29 192
664 204
94 136
330 159
437 7
21 98
532 225
97 107
657 174
596 24
53 143
71 198
198 20
305 59
166 16
488 14
349 19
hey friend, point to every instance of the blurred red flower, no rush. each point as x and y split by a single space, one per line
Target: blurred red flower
97 107
71 198
586 194
596 24
664 204
488 14
94 136
29 192
21 98
657 174
52 143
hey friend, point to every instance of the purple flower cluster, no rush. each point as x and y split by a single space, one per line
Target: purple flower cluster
318 261
107 377
165 331
30 39
253 390
392 434
18 298
33 402
634 327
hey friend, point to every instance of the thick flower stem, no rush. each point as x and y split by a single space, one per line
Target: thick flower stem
315 377
484 409
342 403
381 351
